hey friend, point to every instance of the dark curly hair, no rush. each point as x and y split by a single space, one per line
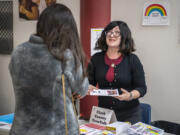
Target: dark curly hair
127 43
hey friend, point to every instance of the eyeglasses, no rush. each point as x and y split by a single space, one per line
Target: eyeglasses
115 33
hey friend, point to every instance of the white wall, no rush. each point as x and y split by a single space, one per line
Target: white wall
157 47
159 50
22 31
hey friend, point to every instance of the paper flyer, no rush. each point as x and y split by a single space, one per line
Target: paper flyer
144 129
91 129
104 92
95 34
5 126
156 13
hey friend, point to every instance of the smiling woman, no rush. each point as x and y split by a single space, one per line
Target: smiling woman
116 67
113 38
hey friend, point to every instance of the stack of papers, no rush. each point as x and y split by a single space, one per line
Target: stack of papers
118 127
91 129
144 129
8 118
6 121
5 126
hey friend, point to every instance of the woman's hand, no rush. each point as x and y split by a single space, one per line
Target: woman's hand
77 96
125 96
91 88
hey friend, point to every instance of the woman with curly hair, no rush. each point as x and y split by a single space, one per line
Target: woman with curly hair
116 67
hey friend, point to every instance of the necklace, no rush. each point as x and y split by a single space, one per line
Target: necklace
112 65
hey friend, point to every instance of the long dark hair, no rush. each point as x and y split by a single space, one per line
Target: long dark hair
57 27
127 43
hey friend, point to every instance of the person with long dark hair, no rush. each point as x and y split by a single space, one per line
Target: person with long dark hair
117 67
37 68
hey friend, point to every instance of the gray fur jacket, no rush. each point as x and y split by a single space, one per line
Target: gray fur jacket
36 77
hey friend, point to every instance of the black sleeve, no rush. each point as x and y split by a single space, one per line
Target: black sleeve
91 73
138 77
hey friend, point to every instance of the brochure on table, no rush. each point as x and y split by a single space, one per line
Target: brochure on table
5 126
144 129
116 128
103 121
6 121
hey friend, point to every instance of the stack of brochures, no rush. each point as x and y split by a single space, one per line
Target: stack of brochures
144 129
91 129
116 128
5 123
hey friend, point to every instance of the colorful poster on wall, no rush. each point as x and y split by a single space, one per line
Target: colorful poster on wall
31 9
156 13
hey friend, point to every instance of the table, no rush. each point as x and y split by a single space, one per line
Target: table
5 131
81 122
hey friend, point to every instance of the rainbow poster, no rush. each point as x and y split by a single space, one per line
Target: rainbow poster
156 13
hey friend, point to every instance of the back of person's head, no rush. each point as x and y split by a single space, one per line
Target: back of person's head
57 27
127 43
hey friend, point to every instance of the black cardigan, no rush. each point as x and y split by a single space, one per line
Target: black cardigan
129 74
